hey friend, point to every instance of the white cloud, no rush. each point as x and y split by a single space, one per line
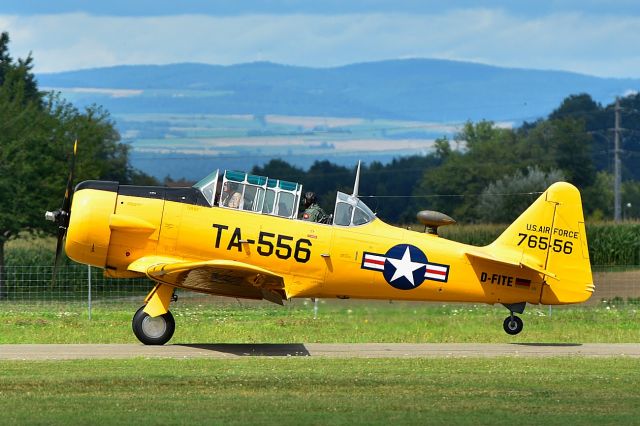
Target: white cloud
599 45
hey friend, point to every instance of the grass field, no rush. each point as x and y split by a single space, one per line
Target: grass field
303 390
210 320
322 391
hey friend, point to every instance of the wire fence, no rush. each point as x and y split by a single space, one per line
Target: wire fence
79 283
73 283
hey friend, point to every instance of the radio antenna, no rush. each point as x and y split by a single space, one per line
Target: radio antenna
357 183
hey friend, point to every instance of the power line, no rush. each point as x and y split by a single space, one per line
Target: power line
452 195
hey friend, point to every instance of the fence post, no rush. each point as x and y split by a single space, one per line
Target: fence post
89 293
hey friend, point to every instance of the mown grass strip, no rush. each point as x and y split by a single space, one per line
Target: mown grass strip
337 322
322 391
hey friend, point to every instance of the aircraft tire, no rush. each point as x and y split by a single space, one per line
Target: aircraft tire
513 325
153 331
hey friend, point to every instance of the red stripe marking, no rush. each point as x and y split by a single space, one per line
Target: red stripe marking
377 262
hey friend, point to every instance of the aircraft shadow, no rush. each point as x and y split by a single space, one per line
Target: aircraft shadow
254 349
549 344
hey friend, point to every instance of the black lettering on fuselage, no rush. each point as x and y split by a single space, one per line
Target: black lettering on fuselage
497 279
566 233
235 240
542 229
220 228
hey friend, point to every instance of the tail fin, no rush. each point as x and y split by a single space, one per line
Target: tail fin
550 237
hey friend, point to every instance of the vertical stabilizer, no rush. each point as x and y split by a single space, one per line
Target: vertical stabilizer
550 237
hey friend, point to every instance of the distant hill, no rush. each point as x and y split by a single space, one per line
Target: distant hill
412 89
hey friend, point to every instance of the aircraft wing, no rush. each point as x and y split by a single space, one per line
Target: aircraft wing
221 277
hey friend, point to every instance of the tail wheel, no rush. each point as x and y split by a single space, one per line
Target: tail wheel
513 325
153 331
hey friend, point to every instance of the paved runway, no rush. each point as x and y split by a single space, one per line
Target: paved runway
328 350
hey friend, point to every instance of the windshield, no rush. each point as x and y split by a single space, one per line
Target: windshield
207 186
351 211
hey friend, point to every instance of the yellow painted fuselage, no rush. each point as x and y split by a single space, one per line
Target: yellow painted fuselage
112 230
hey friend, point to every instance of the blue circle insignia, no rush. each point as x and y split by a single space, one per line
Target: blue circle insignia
405 266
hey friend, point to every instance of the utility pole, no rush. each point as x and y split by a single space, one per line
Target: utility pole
616 165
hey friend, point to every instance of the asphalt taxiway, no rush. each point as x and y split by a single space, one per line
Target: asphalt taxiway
329 350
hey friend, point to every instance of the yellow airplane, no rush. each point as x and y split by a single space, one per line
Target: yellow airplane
256 247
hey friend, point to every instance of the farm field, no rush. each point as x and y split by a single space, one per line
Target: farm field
220 320
208 141
283 391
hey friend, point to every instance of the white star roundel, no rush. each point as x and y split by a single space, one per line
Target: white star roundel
405 267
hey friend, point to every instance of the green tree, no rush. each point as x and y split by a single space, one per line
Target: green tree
489 153
597 200
37 131
581 107
387 188
561 144
574 154
504 200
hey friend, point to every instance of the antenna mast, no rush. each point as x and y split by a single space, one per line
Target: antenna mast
357 183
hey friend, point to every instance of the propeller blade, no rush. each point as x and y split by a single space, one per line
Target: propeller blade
61 217
59 247
66 203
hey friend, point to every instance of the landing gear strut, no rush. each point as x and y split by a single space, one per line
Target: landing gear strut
513 324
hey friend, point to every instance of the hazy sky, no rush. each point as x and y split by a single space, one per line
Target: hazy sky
589 36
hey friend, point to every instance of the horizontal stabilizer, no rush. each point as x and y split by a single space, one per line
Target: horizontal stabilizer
522 263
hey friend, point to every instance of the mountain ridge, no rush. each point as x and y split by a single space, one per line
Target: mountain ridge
411 89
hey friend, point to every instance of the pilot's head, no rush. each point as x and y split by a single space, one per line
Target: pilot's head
230 187
309 199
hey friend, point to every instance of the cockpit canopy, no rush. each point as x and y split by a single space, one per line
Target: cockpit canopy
260 194
254 193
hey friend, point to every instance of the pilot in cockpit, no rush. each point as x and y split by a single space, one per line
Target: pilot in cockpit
230 195
313 212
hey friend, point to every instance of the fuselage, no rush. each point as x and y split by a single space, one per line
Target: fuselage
113 225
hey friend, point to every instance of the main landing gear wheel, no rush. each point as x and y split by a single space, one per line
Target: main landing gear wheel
153 331
513 325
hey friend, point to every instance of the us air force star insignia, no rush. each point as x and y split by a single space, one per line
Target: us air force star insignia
405 266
